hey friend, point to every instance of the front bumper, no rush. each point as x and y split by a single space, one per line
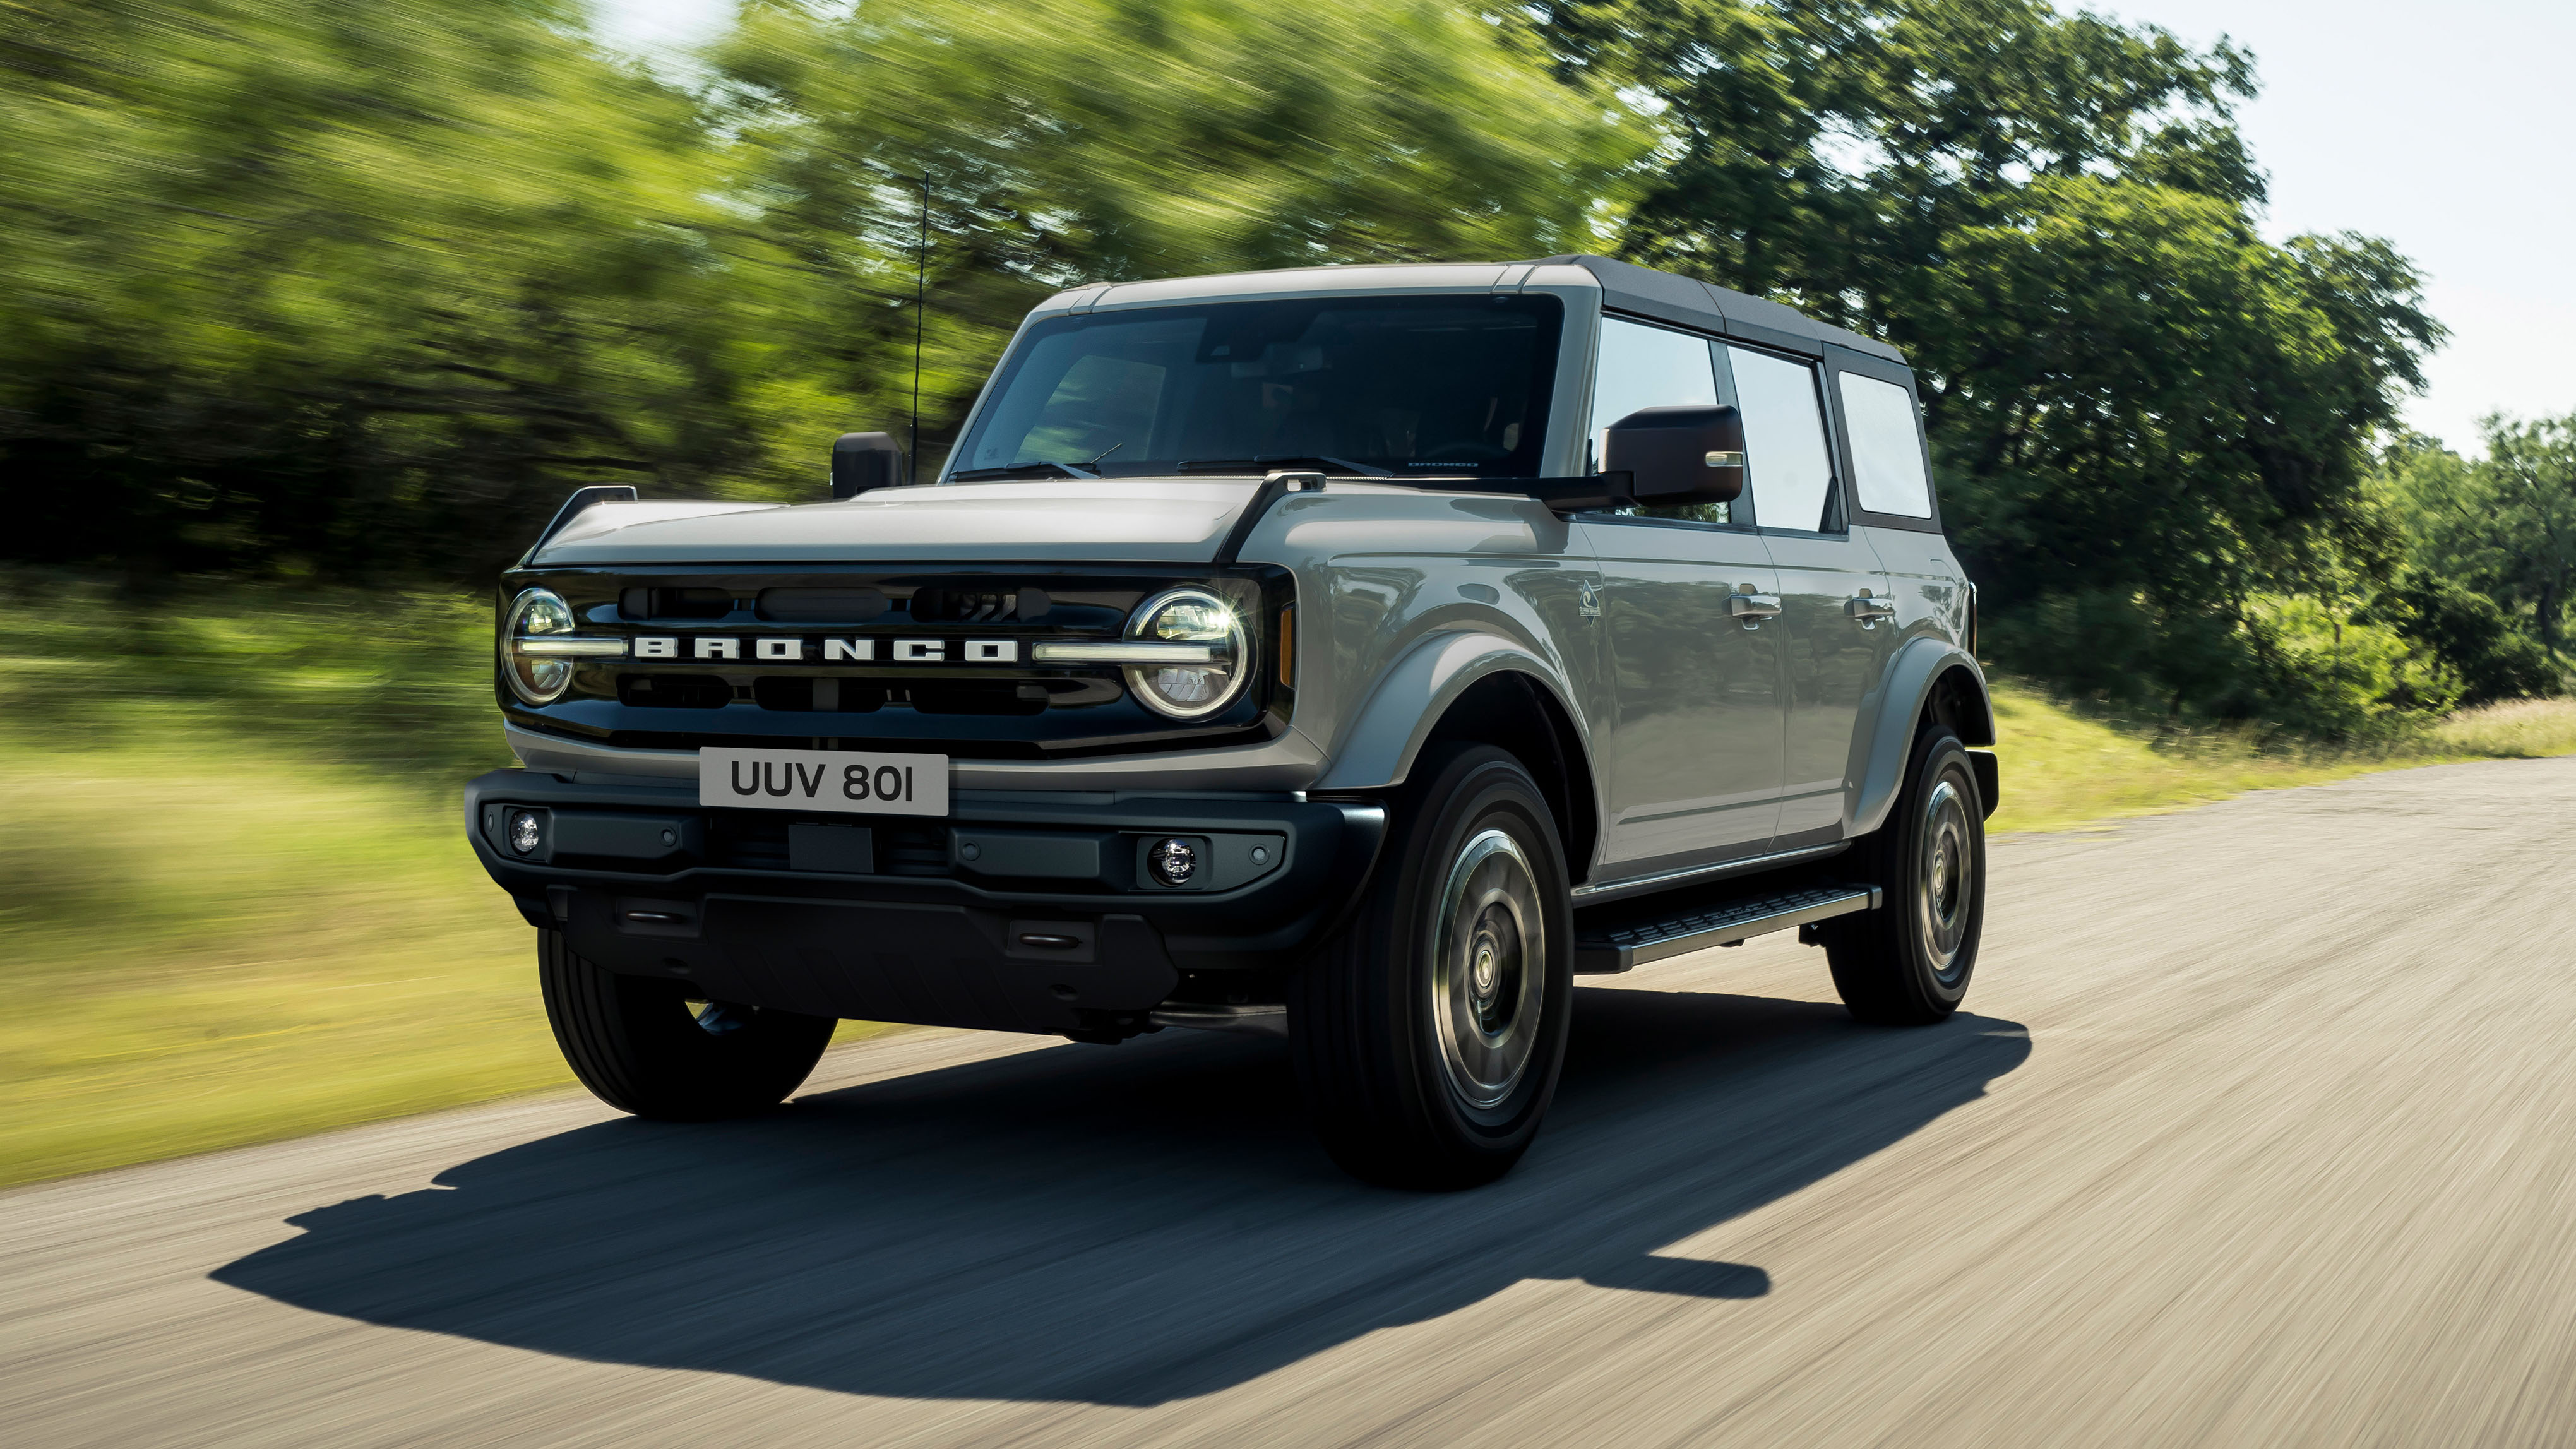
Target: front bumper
1020 911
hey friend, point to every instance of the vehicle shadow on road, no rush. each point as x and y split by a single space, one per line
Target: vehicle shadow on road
1116 1226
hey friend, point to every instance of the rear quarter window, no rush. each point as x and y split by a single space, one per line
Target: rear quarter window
1886 448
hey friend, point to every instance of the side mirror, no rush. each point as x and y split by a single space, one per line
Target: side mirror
1679 455
861 461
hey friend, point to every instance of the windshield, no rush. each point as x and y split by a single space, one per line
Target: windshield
1404 386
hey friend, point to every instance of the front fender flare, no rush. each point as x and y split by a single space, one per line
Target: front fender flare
1378 749
1911 677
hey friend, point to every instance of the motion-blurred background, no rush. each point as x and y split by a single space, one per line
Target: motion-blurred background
311 312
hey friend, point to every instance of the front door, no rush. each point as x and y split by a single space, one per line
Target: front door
1695 754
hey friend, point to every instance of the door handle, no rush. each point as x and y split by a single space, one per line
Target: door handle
1753 606
1866 608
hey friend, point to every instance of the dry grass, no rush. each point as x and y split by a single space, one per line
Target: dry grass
2062 768
2523 729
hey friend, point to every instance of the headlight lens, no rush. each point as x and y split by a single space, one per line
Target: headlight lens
1191 616
535 614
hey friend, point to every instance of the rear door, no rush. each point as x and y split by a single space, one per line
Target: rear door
1894 508
1695 750
1833 594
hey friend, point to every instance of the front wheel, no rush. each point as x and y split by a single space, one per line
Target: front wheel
1428 1036
642 1045
1908 962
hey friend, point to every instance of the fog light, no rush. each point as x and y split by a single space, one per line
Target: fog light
525 831
1173 861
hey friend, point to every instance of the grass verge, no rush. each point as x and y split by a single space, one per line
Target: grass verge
210 948
2062 767
238 902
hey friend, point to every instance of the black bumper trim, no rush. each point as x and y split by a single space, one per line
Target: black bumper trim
931 948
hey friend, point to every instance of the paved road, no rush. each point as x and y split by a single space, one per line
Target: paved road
2263 1131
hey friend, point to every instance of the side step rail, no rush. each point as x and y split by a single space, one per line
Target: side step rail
1606 953
1270 1020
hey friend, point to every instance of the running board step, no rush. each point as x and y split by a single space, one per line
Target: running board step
1270 1020
1606 953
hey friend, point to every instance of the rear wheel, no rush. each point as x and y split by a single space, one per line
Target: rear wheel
1428 1036
1908 962
645 1046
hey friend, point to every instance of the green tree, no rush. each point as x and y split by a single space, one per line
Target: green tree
2504 525
367 288
1060 141
364 285
2137 400
2146 416
2469 634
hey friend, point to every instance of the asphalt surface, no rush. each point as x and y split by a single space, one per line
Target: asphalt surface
2261 1129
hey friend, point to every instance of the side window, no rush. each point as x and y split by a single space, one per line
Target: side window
1648 367
1791 474
1886 448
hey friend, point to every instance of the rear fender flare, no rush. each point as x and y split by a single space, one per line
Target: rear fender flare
1898 709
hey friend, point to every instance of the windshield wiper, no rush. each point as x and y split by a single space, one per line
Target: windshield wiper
1018 470
1274 464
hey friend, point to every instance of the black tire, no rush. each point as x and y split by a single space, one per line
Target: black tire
635 1042
1908 962
1426 1075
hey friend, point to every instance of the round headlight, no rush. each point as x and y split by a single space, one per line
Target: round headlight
1193 690
535 614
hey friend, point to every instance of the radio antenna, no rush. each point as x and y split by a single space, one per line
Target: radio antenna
920 289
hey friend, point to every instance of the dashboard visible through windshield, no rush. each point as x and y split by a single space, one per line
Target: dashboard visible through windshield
1398 386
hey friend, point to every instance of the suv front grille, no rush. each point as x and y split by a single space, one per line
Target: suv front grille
933 662
673 691
808 695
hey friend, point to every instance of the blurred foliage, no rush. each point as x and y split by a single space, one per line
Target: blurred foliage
364 287
300 289
395 684
294 284
1067 141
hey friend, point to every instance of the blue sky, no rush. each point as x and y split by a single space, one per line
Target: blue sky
2447 128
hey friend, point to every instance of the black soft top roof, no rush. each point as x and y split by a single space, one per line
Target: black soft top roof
1668 297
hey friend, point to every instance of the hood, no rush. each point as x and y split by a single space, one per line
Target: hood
1070 520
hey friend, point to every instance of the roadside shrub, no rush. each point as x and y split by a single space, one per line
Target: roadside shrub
2470 633
2326 674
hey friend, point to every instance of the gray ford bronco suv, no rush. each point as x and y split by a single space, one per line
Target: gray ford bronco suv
1356 653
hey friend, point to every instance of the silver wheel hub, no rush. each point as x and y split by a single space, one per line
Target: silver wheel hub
1488 970
1944 879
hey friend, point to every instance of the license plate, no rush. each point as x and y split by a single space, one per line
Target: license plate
848 781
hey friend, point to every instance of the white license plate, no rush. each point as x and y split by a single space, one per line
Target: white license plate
849 781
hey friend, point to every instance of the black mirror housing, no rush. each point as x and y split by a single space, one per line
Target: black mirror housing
1679 454
861 461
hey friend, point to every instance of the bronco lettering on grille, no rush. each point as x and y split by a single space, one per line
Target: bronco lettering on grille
790 649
